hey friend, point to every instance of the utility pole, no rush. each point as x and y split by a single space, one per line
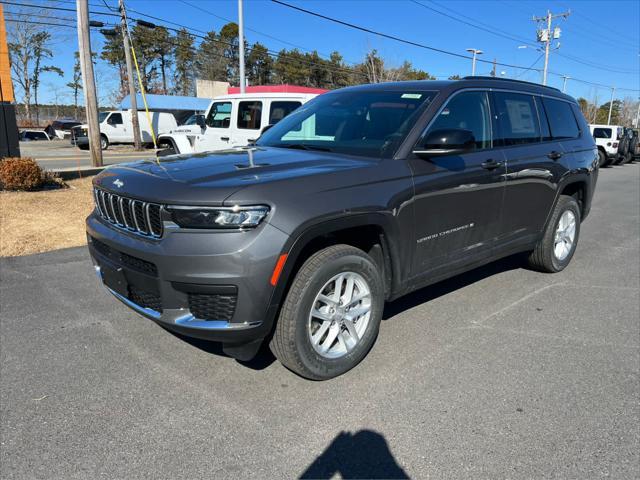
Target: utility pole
241 46
137 142
475 52
88 80
638 115
564 83
547 35
613 91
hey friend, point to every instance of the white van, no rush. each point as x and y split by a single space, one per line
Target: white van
116 127
607 139
234 120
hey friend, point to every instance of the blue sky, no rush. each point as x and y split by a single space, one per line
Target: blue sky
604 33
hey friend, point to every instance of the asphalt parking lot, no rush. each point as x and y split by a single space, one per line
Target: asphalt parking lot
61 155
501 372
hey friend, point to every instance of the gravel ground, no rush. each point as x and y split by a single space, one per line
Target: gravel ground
501 372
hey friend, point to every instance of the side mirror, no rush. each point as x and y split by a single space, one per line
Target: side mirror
265 128
447 141
200 121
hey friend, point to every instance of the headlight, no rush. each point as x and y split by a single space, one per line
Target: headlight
205 217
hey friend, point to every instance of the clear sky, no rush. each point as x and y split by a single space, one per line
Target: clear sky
600 40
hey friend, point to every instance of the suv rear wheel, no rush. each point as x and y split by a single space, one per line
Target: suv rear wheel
558 244
331 316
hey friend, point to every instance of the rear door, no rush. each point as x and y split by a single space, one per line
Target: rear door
248 122
532 166
458 197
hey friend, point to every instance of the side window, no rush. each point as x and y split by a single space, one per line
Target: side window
602 133
249 114
115 119
219 115
279 110
561 119
466 111
517 119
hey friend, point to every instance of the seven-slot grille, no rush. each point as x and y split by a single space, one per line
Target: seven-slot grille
133 215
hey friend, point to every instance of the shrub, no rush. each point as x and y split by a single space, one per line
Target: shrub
20 174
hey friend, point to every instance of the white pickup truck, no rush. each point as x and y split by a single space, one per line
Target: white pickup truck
117 127
231 121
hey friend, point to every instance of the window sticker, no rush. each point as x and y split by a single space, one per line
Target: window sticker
411 95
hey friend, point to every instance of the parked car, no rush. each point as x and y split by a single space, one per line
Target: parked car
363 195
61 128
635 144
627 146
33 136
233 120
607 139
117 127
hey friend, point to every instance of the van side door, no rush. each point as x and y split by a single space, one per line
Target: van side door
458 196
533 170
217 135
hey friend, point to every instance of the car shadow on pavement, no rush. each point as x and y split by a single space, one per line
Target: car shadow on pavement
364 454
262 360
445 287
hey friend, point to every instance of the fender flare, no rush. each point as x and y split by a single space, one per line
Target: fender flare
180 143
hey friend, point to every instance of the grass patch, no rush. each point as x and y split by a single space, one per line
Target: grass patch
36 222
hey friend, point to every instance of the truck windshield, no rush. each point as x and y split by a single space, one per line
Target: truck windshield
102 116
365 123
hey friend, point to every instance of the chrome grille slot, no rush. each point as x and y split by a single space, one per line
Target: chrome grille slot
133 215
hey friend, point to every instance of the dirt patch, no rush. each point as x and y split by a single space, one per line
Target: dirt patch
35 222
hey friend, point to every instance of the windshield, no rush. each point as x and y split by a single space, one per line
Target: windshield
365 123
102 116
192 120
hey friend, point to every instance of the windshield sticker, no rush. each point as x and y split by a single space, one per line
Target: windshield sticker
411 95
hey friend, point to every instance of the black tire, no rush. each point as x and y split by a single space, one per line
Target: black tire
291 343
602 158
166 148
104 142
543 257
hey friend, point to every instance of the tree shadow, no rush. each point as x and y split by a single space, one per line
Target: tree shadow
364 454
452 284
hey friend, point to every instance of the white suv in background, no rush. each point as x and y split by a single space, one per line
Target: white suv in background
607 139
233 120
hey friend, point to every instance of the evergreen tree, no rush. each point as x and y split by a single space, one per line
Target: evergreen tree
184 64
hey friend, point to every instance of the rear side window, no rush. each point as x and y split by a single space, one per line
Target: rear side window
249 114
219 115
467 111
561 119
517 119
279 110
602 133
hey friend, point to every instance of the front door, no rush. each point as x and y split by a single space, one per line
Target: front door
249 122
458 197
217 135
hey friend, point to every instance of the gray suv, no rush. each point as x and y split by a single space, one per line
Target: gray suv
358 197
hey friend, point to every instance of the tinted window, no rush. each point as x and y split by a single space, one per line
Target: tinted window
561 119
219 115
602 133
369 123
467 111
279 110
249 114
35 136
102 116
115 119
517 119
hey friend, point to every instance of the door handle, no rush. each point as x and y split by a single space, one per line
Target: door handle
224 139
491 164
554 155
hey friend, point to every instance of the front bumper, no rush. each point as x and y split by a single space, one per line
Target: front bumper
172 280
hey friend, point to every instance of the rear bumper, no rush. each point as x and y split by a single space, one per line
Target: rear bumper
185 276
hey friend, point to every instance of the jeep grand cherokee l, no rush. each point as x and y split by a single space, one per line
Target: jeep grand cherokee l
360 196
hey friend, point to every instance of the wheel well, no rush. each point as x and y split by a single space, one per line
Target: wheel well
576 190
368 238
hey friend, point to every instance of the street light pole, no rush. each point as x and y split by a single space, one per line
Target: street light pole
241 46
613 91
475 52
137 141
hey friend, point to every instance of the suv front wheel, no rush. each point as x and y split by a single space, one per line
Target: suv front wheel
331 315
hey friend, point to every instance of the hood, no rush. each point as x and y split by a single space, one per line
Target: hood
210 178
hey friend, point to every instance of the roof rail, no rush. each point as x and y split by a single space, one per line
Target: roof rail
479 77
